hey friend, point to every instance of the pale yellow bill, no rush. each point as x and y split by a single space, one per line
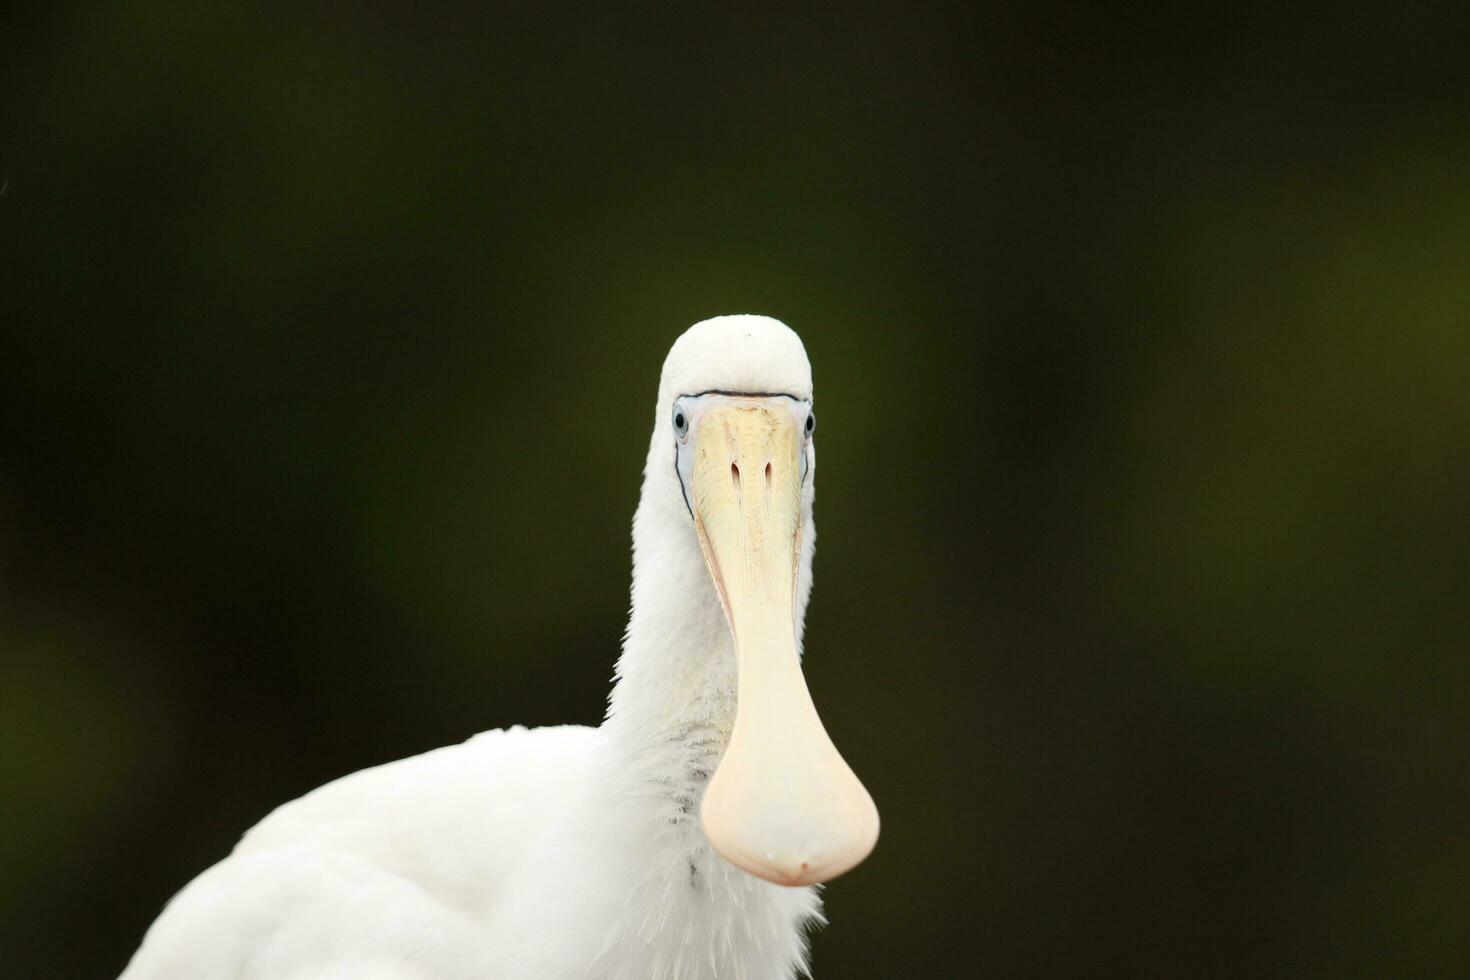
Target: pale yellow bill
783 804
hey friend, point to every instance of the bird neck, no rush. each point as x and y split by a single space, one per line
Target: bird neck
675 681
673 701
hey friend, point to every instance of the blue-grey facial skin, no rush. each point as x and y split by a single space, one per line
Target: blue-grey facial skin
688 411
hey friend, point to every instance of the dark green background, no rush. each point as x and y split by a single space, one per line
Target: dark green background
1142 337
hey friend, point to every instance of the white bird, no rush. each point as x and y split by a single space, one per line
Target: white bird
682 838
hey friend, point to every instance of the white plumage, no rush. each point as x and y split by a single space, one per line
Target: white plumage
564 852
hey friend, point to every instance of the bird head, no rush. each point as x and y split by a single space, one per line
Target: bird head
738 435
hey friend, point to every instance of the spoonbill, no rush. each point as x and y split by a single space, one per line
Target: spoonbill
682 838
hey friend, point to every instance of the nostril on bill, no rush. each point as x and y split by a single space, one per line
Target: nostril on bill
768 478
735 476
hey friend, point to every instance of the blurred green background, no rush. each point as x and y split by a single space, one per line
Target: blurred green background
1141 338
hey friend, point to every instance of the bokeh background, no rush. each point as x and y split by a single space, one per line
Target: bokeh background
1142 336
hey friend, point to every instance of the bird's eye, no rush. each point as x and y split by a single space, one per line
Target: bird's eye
811 422
681 422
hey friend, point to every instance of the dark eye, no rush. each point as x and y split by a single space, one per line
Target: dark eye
681 422
811 422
